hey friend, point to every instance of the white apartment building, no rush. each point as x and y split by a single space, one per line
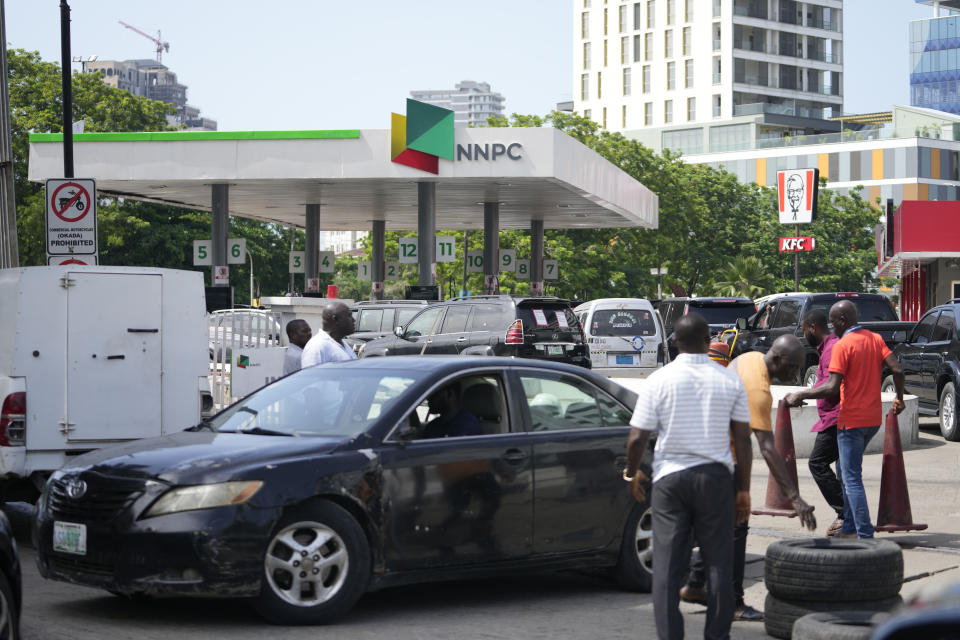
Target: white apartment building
471 102
341 241
700 75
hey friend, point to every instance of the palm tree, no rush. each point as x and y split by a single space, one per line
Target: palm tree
745 276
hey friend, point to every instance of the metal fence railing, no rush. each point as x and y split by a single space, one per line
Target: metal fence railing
232 330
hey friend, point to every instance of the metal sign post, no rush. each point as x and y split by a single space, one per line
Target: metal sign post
797 191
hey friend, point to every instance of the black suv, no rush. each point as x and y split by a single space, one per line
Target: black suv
784 315
544 328
930 358
720 313
380 318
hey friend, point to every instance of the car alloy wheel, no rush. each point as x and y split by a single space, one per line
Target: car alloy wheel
306 564
9 626
643 540
948 413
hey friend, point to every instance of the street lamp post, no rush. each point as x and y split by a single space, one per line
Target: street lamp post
659 272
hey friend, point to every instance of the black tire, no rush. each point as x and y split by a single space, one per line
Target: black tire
9 611
832 569
809 377
343 566
948 413
634 570
839 625
780 615
887 386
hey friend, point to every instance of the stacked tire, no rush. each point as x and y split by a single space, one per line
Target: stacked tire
830 576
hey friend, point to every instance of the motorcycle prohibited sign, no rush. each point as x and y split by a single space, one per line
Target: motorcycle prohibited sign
71 216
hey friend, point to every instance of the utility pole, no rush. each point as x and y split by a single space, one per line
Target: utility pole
9 253
65 71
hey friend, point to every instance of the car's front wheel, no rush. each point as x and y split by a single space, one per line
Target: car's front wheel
809 376
634 570
948 413
315 566
9 615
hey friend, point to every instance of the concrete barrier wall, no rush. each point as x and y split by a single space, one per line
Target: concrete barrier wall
803 419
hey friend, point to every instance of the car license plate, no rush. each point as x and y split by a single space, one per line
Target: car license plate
624 359
70 537
554 349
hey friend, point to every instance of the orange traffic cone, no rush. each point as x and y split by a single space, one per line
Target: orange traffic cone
777 504
894 514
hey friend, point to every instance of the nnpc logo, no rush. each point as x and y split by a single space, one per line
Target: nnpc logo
422 137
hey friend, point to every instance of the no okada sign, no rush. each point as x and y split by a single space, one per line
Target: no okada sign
71 216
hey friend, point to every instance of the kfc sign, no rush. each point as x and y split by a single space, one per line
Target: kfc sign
797 195
803 243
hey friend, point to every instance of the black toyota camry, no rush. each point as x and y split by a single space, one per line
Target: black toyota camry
353 476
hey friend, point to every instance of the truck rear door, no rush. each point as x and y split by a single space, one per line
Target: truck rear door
114 357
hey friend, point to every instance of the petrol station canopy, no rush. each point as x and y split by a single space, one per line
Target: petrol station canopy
533 173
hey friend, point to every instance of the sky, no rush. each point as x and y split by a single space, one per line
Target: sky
346 64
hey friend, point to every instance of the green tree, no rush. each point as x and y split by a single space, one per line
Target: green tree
744 276
36 105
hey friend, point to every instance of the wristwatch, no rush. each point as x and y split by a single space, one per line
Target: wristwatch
626 477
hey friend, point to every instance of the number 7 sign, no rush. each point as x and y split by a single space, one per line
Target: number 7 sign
551 269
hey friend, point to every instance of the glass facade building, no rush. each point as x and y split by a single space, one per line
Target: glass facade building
935 63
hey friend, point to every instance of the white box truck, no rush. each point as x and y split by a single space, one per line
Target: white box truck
94 356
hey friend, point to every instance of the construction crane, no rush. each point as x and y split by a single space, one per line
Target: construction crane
161 45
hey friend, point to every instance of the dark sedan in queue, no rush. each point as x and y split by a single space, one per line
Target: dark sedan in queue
353 476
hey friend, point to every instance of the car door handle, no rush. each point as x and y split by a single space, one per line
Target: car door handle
462 339
514 456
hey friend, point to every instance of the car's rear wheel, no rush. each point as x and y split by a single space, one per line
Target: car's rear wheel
9 618
888 385
634 570
948 413
315 566
809 376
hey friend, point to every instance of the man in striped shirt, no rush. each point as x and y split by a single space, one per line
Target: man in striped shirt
693 406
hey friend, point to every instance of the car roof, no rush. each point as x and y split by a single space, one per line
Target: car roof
603 302
709 300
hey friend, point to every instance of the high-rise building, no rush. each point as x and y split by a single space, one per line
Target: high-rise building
151 79
934 49
471 102
695 75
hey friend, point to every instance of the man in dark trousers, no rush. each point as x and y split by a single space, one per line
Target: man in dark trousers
825 452
855 366
756 371
693 406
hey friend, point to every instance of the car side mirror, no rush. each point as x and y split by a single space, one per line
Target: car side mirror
398 331
741 324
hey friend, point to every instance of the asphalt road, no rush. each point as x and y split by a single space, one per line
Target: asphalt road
547 606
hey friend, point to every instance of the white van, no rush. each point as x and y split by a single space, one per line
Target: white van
625 336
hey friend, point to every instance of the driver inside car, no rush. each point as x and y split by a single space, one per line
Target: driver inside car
452 419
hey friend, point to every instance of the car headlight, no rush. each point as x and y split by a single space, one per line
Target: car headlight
204 496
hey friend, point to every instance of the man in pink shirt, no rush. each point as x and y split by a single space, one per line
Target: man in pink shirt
825 452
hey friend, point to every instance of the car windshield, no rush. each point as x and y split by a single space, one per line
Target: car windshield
724 313
622 322
324 400
868 309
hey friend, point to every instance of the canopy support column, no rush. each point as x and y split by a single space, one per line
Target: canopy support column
426 232
311 259
491 247
536 257
377 265
219 229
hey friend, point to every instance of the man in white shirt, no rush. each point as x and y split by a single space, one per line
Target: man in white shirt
298 333
328 345
693 405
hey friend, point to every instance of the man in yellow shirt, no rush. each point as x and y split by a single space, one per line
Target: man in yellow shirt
756 370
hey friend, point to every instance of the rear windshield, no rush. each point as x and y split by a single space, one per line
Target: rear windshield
545 315
622 322
868 309
724 312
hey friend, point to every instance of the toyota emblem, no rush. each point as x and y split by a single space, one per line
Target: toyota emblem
76 488
556 335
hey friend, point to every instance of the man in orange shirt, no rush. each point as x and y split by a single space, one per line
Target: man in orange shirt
855 373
